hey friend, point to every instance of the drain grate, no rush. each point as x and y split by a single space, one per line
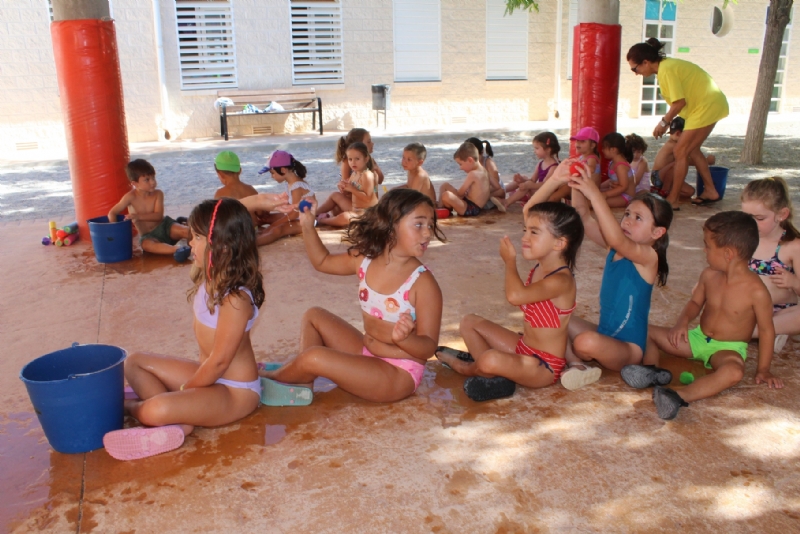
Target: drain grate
263 129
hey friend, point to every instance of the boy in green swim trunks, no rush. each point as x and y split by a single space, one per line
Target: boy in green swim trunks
733 300
157 234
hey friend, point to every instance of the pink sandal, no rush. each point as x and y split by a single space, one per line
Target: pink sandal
142 442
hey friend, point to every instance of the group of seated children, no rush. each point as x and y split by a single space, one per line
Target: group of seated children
738 296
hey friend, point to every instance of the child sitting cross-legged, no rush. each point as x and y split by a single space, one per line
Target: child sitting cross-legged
500 358
473 194
733 300
356 193
173 395
636 259
158 234
418 179
401 305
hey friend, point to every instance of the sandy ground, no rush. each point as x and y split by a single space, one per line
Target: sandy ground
42 189
594 460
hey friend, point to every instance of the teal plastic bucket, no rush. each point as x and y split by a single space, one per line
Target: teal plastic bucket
719 175
112 242
77 393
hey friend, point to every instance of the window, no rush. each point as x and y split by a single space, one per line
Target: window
659 22
506 42
317 51
573 21
780 75
206 48
417 40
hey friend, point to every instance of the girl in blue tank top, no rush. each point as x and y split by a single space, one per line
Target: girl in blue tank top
636 259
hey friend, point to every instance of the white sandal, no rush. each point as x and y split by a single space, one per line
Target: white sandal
574 378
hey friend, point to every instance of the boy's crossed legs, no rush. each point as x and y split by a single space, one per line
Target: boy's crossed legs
725 358
448 196
158 240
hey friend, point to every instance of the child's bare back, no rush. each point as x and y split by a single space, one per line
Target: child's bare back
237 190
419 180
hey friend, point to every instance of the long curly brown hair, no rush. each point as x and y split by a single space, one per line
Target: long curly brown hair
374 232
231 261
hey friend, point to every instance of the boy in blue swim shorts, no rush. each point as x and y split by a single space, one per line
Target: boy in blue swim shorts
733 300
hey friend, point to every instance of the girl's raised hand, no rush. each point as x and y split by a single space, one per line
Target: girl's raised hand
403 327
309 214
507 250
562 173
583 182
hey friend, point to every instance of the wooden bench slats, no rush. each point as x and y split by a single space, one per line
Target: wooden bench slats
293 100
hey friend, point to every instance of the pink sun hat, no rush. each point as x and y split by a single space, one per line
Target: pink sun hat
587 133
279 158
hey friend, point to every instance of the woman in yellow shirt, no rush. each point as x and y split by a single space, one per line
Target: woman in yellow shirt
692 94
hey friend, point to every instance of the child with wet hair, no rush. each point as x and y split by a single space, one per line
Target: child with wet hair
733 300
173 395
500 358
472 196
768 202
414 156
401 304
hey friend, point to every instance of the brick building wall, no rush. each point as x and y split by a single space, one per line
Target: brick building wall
30 108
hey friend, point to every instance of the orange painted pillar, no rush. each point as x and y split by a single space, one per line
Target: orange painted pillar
90 86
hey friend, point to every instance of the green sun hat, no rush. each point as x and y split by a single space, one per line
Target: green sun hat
227 161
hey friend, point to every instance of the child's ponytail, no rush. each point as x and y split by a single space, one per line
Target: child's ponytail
489 151
774 194
298 168
356 135
662 218
550 142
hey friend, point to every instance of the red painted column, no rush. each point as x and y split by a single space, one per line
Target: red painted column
90 85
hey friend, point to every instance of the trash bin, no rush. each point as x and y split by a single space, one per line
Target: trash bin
380 97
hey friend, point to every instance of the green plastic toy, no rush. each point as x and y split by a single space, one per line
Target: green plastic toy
686 378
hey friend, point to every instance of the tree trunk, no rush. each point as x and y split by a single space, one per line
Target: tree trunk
777 19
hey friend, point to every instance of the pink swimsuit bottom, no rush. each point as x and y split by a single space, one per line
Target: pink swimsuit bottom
415 369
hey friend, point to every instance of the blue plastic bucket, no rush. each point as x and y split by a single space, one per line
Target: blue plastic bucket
77 393
112 242
719 175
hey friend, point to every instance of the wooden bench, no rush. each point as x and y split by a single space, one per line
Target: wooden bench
294 100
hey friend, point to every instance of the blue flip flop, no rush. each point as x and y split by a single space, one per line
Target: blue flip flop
279 394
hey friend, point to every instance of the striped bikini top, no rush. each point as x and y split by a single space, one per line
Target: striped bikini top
586 157
544 314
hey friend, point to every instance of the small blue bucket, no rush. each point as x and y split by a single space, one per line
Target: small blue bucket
77 393
719 175
112 242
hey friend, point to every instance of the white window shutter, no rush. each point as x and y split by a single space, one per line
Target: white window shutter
506 42
206 48
417 40
573 21
317 45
